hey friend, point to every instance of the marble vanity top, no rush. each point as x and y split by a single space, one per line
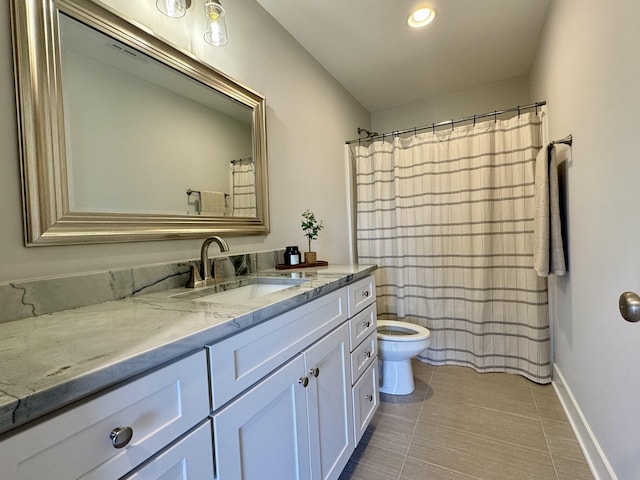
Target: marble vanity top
49 361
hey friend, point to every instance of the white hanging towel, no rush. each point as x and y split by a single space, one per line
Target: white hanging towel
548 249
212 203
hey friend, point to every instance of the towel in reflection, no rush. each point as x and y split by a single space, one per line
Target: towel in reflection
212 203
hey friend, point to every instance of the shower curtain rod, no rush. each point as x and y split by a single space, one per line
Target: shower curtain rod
450 123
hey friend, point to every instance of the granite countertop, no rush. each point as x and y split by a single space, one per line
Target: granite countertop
50 361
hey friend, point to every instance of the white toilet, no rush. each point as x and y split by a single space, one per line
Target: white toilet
398 343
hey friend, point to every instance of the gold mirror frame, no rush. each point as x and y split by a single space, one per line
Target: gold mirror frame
47 217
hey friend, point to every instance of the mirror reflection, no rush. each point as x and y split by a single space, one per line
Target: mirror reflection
144 138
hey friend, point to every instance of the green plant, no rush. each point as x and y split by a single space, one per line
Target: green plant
310 226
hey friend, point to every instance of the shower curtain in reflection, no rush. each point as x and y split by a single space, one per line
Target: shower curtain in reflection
448 218
243 180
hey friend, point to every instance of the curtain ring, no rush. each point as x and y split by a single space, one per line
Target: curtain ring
415 131
518 111
536 109
433 128
474 120
452 124
495 116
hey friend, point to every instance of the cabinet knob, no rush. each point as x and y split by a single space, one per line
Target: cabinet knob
365 293
366 324
369 397
304 381
121 436
367 354
314 371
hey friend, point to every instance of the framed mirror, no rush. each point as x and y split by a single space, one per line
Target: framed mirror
125 138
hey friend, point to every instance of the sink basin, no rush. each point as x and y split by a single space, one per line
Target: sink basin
243 291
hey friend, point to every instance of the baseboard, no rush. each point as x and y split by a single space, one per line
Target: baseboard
598 463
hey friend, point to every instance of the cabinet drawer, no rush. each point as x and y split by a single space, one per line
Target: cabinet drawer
365 400
76 444
361 326
361 294
189 459
363 355
238 362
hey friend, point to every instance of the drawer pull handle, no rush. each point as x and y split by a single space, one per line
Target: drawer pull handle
369 397
304 381
365 294
315 372
120 437
366 324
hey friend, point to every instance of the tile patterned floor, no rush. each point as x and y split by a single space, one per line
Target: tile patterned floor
462 425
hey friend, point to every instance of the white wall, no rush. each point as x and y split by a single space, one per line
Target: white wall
309 116
481 99
588 70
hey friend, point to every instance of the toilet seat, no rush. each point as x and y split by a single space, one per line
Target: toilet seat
397 331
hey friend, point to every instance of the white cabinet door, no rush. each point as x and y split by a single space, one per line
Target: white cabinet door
264 433
365 399
189 459
330 404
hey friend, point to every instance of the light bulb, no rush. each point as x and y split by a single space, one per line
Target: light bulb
421 17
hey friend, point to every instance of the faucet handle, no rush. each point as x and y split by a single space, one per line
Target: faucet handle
195 280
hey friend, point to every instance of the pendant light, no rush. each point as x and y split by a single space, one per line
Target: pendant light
173 8
215 30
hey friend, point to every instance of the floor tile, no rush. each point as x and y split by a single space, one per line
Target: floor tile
565 447
513 398
418 470
569 469
369 462
548 405
479 456
391 432
497 425
463 425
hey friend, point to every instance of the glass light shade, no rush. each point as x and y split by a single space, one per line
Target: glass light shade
215 29
172 8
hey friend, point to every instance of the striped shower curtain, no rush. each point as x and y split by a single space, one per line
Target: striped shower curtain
243 180
448 218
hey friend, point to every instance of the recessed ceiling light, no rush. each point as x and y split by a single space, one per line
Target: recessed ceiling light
421 17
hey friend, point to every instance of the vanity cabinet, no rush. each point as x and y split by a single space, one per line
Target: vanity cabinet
297 422
316 390
91 441
287 398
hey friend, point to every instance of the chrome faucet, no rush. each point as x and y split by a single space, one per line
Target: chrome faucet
204 278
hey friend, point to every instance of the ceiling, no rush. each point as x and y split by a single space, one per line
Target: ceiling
368 47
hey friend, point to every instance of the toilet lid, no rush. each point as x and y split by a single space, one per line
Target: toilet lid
401 331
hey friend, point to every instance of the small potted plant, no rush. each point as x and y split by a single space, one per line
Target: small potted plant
310 226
